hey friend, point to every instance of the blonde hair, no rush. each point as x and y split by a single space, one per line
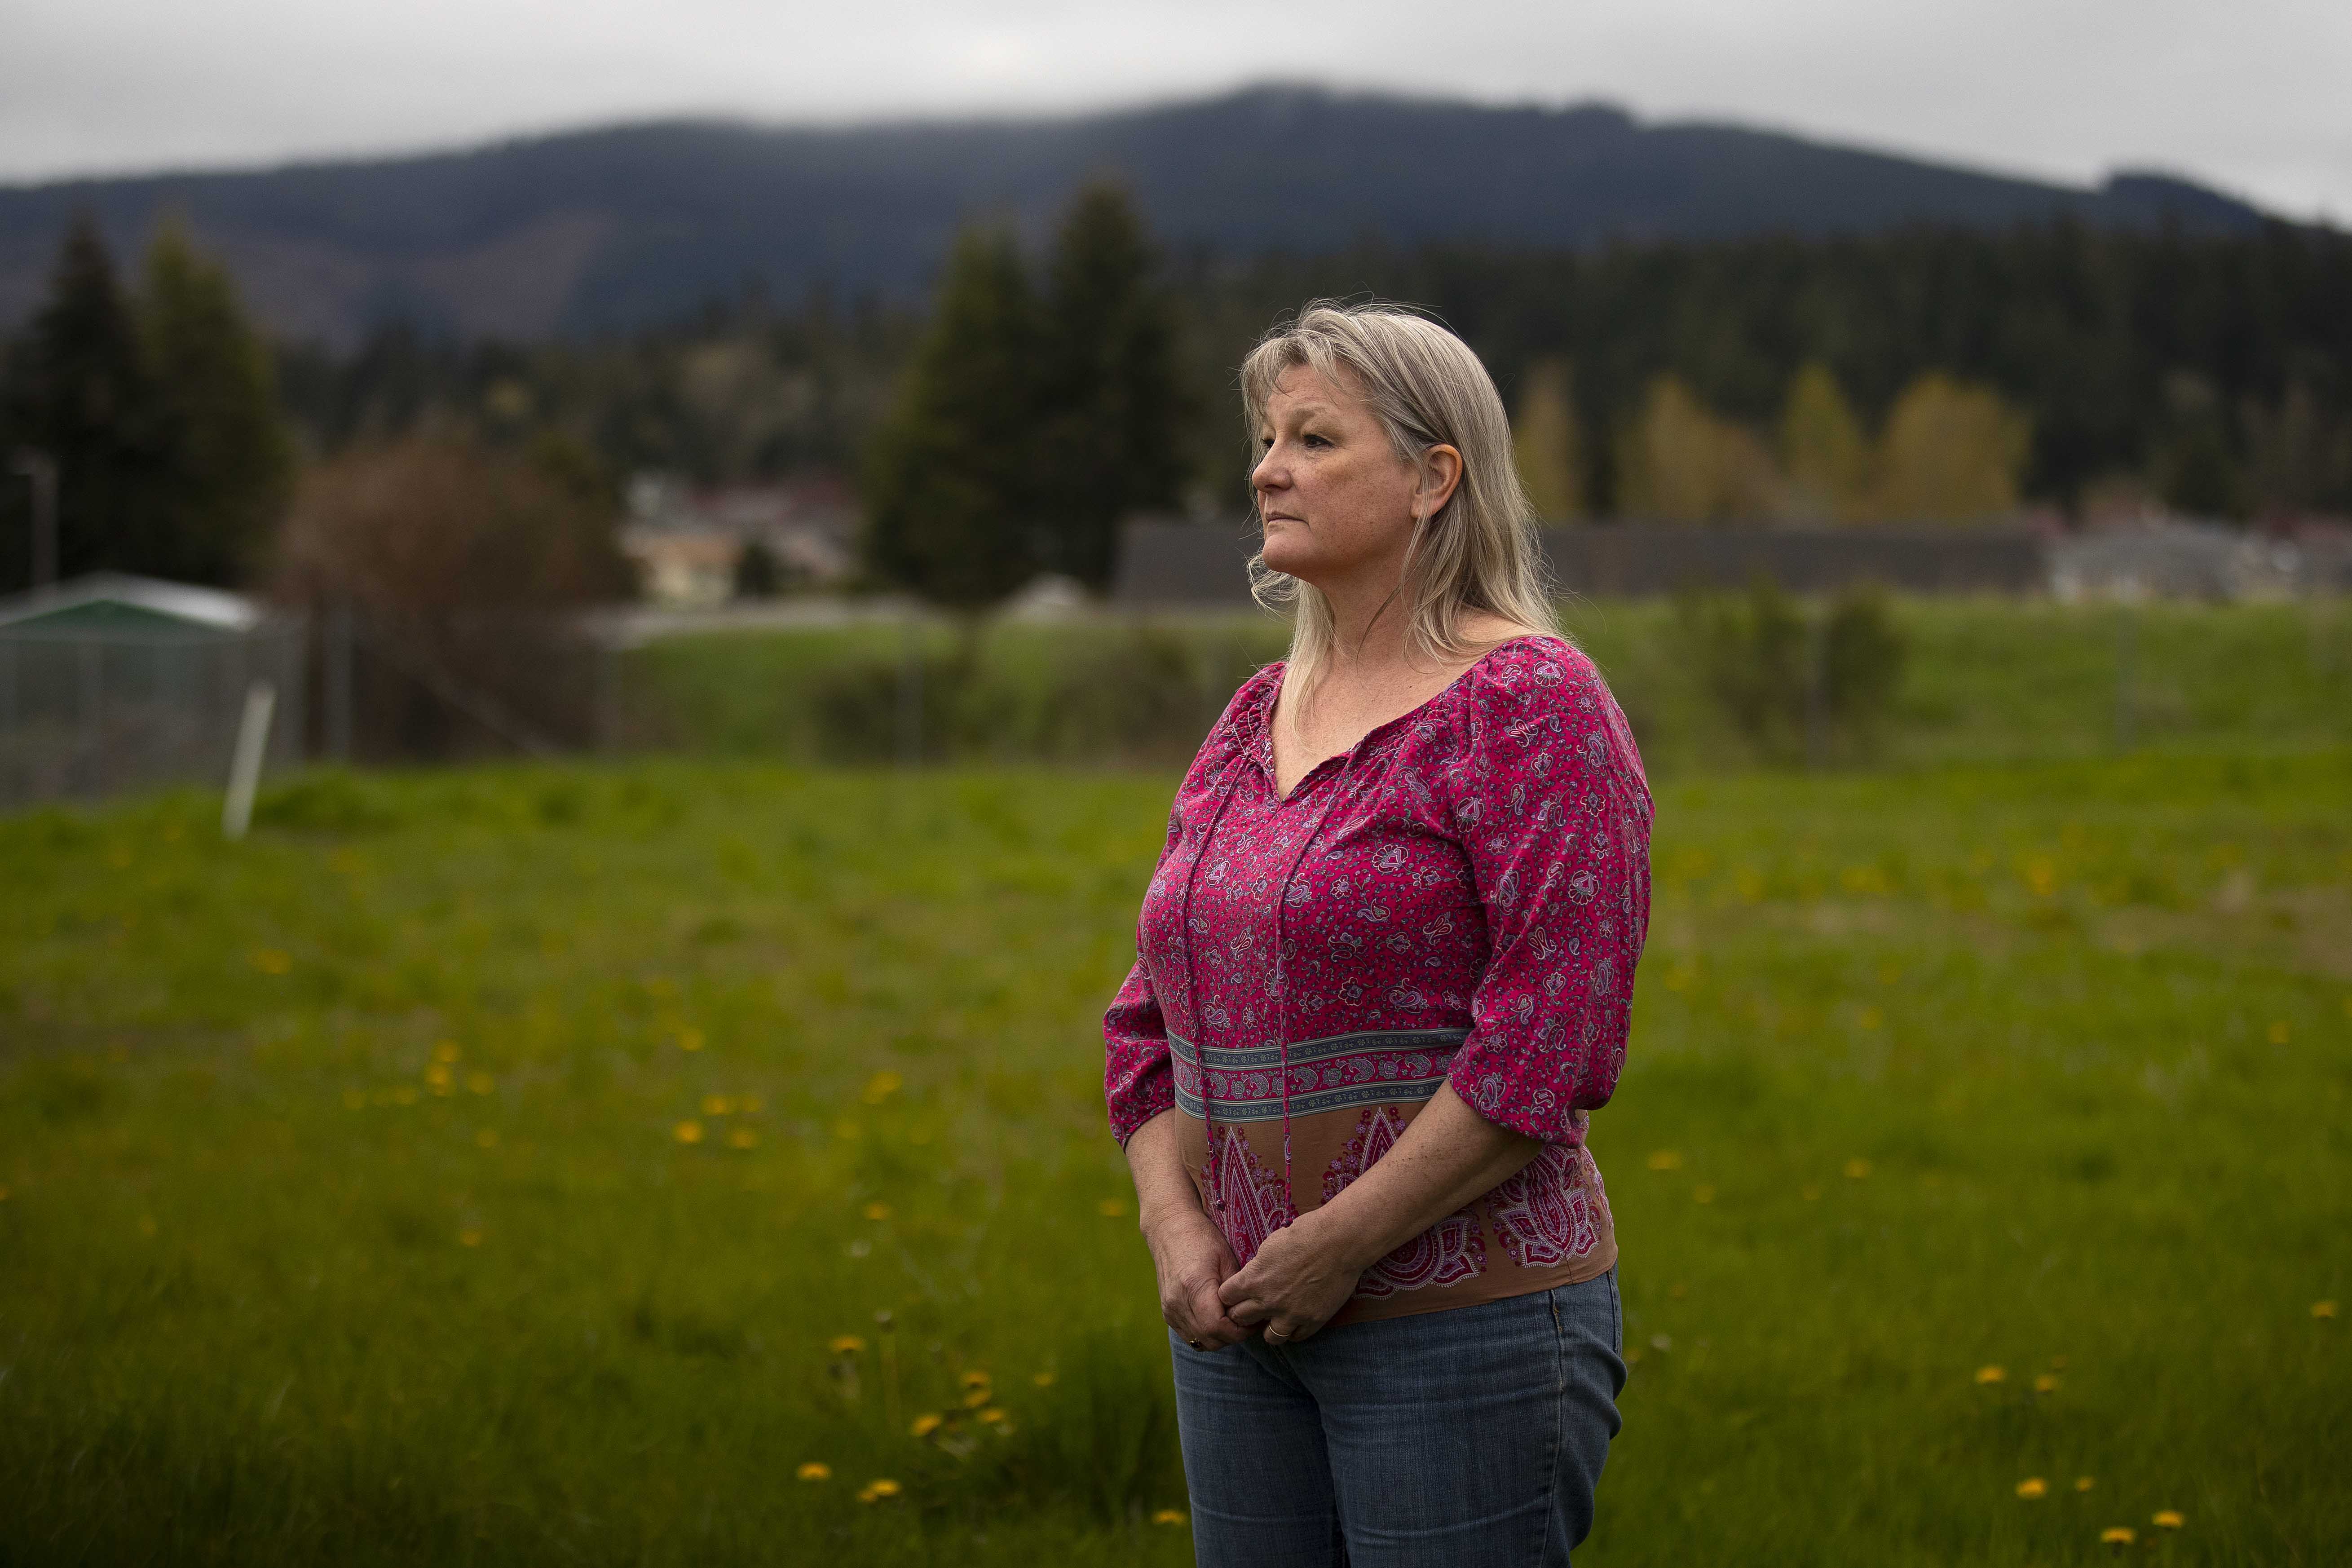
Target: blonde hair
1478 552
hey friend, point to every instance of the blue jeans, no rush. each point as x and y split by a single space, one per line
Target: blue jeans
1468 1438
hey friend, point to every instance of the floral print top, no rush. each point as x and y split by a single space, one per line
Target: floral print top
1461 898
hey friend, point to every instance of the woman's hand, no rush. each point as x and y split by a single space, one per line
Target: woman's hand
1297 1279
1193 1261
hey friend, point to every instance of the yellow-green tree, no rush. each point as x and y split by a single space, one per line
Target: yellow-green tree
1952 452
1824 451
1549 443
1677 462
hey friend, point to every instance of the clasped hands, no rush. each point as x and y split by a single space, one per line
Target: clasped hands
1300 1275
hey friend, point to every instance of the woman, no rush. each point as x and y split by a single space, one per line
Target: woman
1383 974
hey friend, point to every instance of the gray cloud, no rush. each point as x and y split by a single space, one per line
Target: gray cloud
2250 96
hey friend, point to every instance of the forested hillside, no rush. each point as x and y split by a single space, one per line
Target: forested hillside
618 228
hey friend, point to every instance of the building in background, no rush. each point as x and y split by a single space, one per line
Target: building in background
689 544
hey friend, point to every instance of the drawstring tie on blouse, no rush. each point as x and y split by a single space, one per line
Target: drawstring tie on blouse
1228 782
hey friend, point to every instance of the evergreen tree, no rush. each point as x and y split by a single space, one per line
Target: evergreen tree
225 458
1111 410
1548 445
77 388
950 480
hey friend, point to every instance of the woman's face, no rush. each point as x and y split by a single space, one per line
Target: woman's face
1334 498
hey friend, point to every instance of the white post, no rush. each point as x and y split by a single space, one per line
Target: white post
245 768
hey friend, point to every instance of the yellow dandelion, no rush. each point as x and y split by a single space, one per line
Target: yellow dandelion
976 1398
876 1490
2281 1032
928 1423
2323 1309
480 1083
976 1379
1110 1208
690 1039
715 1105
845 1344
438 1076
2046 1384
1987 1374
2119 1535
882 1086
876 1211
2085 1483
4 1194
2033 1487
992 1415
470 1238
1665 1160
445 1051
1703 1192
2170 1518
1042 1379
488 1138
743 1138
688 1132
814 1471
1168 1516
1857 1169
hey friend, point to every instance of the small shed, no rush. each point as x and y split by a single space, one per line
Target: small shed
113 682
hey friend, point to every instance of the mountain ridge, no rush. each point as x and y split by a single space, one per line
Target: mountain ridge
614 227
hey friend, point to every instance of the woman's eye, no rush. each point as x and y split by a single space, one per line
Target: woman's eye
1314 441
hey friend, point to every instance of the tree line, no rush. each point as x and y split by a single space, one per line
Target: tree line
1002 426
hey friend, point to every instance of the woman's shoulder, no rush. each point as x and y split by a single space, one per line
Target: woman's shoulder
1531 675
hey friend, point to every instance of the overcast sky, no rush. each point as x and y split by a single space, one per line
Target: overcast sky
2254 95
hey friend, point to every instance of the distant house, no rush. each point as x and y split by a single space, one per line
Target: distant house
687 541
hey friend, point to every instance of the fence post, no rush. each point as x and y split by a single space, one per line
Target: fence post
339 654
245 765
1817 680
2126 621
93 712
910 692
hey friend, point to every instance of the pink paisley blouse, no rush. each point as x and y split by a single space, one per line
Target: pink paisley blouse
1461 898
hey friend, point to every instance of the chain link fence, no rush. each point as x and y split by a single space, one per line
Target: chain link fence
89 711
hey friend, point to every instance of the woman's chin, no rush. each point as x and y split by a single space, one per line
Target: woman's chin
1283 554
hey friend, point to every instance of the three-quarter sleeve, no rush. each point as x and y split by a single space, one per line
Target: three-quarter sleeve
1139 1082
1549 807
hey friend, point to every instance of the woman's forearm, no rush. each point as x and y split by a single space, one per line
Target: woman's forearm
1162 1185
1449 1155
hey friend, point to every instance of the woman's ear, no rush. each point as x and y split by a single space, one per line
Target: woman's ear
1440 475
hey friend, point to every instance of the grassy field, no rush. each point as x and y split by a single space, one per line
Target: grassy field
546 1163
1985 679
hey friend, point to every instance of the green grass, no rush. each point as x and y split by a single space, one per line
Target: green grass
267 1296
1986 680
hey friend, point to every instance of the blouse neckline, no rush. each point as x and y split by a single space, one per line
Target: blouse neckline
1262 748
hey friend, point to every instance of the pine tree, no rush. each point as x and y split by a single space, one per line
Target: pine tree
227 461
1548 445
78 389
1110 406
950 481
